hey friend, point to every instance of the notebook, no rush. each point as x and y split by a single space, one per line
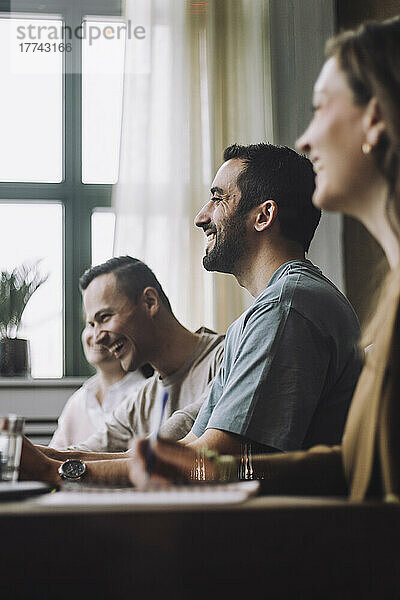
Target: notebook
185 495
19 490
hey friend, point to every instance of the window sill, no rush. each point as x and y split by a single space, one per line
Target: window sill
30 382
35 399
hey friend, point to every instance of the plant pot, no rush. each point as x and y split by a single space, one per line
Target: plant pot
14 358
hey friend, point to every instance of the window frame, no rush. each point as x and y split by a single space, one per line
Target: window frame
77 198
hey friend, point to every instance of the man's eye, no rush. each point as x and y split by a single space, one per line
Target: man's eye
104 317
215 199
314 108
89 324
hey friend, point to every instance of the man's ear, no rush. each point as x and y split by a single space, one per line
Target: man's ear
151 301
373 124
266 214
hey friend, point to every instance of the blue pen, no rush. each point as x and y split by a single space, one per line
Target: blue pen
150 456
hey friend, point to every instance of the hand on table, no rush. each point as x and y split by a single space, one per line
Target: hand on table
173 463
35 466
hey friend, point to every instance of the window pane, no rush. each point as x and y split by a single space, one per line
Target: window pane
102 84
103 227
33 232
30 101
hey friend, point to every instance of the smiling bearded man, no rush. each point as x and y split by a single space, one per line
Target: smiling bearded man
291 360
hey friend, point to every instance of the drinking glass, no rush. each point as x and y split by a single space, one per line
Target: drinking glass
11 430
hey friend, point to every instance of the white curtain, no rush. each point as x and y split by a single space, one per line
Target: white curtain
198 82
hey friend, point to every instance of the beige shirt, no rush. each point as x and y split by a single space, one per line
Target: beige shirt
187 389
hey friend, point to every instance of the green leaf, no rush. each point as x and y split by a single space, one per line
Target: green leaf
16 289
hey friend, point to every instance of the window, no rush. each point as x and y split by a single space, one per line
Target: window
39 227
102 81
31 107
60 118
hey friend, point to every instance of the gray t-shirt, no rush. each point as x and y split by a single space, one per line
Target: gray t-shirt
187 388
291 362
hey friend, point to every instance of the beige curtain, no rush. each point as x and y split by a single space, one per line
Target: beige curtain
197 82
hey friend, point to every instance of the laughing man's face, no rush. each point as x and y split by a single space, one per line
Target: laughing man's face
96 354
116 321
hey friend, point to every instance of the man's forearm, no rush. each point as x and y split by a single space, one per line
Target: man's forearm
62 455
35 466
108 472
102 472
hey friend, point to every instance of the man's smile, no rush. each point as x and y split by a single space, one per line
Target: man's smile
211 235
98 348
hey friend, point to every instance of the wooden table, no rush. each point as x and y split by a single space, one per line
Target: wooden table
266 547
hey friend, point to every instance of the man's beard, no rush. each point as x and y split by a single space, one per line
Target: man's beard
229 247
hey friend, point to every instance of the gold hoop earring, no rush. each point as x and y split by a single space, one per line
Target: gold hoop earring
366 148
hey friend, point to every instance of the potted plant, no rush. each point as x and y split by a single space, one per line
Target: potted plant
16 288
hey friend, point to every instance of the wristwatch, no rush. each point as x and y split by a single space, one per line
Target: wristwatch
72 469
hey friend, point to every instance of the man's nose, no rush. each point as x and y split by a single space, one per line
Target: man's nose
204 216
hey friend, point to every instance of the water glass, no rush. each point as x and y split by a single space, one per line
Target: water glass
11 431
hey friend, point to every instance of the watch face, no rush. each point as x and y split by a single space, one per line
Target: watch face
73 469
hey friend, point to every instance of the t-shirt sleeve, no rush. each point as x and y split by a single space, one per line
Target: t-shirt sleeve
274 382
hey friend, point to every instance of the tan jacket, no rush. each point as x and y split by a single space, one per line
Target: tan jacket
372 433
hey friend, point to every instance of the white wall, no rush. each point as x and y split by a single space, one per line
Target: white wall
40 401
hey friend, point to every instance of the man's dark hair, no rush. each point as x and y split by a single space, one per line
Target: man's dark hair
278 173
132 276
